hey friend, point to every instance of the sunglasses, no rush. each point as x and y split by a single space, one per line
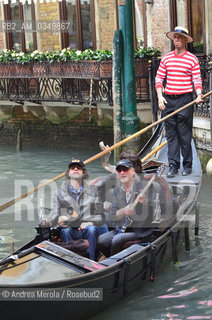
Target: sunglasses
120 169
73 166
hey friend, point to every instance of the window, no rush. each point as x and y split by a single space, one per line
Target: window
140 23
19 40
195 17
80 13
196 25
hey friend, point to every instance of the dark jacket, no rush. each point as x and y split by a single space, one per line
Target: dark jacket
144 211
88 207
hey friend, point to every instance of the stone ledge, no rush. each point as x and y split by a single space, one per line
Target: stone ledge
203 146
35 108
201 129
9 103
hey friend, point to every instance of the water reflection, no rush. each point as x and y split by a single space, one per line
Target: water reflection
178 292
21 172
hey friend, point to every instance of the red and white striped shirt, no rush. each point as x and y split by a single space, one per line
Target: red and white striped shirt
182 72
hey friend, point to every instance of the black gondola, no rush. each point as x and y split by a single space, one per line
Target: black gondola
47 270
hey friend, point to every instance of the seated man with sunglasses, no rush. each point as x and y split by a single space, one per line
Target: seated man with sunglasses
77 208
136 221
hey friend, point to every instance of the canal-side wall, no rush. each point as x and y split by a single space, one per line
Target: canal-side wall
82 129
202 133
78 126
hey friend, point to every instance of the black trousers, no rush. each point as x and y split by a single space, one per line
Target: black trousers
179 129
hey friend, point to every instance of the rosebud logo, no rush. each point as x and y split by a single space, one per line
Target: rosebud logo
5 294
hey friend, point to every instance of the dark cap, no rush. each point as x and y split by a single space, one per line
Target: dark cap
77 161
125 163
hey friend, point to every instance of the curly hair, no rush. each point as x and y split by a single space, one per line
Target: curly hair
85 174
134 158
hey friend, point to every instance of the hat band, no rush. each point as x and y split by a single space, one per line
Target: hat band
181 31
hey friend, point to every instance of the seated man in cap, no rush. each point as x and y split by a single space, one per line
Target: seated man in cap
77 208
137 219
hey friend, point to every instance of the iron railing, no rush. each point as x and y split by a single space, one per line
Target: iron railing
75 82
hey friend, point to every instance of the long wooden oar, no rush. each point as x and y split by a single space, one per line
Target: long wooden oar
153 151
138 133
24 195
100 154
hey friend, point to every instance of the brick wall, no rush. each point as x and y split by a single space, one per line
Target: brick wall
105 23
48 41
160 25
59 136
77 133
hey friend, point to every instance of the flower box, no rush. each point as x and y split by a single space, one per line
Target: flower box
74 69
7 70
55 69
82 69
40 70
24 70
106 69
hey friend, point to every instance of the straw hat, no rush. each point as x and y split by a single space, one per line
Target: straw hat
179 30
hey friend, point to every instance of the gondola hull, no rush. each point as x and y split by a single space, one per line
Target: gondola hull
115 277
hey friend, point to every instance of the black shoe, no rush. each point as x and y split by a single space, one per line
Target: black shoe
172 171
186 171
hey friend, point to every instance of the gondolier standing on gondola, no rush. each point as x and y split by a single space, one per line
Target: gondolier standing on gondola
182 71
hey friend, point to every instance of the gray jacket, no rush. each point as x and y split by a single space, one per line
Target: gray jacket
88 207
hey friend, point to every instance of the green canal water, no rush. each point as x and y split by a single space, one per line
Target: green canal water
178 292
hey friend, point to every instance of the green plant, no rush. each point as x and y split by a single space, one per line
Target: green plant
198 47
7 55
140 42
142 53
69 55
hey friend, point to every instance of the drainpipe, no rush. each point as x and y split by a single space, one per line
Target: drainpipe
210 98
130 118
117 90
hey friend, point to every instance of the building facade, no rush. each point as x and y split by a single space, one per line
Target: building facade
83 24
50 25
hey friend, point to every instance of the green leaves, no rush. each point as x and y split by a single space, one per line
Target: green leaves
69 55
142 53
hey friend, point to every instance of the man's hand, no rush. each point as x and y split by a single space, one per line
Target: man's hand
62 221
129 212
199 99
126 211
84 225
161 102
73 215
141 197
